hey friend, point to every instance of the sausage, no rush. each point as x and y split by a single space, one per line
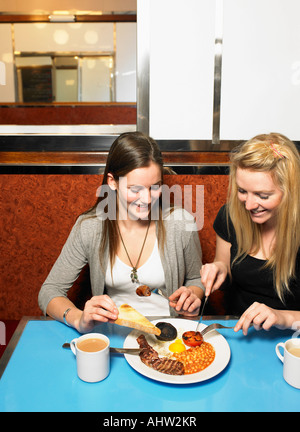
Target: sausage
143 291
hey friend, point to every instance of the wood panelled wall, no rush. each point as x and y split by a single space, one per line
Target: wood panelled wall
68 114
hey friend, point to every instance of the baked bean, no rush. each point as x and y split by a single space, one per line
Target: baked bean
196 359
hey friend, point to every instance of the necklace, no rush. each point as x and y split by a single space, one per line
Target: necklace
133 273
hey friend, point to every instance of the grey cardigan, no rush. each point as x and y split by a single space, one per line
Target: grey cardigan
181 257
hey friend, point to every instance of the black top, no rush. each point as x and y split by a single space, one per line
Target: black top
250 281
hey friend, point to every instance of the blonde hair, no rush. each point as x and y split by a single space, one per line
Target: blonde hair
276 154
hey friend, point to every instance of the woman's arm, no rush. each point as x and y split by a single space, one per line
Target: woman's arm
57 307
264 317
212 277
96 310
186 300
214 274
53 298
64 272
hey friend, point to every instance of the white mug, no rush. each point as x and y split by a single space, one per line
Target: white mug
92 366
291 363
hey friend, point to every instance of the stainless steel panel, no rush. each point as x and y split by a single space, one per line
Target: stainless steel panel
143 65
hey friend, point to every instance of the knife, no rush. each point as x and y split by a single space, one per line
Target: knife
115 350
125 350
201 315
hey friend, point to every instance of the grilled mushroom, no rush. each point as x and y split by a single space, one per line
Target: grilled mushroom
168 331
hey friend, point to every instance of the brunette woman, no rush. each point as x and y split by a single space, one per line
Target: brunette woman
258 235
128 239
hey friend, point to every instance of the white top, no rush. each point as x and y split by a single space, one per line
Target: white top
121 290
181 258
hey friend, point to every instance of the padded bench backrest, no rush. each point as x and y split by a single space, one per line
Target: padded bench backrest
37 213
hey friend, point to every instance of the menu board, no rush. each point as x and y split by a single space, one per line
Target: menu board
37 84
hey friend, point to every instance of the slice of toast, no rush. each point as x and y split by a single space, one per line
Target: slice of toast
129 317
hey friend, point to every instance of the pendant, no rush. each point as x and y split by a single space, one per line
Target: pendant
134 276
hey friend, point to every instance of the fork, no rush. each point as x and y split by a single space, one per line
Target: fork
216 326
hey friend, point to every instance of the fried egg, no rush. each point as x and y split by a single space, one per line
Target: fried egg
177 346
167 349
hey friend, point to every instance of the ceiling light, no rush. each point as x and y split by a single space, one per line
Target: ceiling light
62 18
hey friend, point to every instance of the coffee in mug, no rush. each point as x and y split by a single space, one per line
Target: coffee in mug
291 361
295 351
92 356
92 345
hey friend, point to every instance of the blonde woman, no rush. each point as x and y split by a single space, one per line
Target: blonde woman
258 235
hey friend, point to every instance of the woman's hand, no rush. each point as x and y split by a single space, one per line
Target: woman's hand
262 317
97 309
212 276
185 301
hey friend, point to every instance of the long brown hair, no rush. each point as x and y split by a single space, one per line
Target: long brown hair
276 154
131 150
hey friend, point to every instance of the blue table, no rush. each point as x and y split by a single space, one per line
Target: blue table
38 375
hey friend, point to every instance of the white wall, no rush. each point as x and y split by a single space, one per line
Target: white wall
261 68
181 68
126 62
95 80
72 37
260 81
7 87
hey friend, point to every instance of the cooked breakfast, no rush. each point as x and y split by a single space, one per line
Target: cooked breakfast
162 364
176 358
129 317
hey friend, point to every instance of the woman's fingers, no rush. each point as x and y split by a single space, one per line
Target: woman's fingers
101 308
187 302
258 314
212 277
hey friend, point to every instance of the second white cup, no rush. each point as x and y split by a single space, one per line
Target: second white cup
291 361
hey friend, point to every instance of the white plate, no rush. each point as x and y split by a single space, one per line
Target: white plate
216 339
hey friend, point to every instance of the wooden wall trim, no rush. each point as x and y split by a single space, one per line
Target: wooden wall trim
78 18
68 114
99 158
196 158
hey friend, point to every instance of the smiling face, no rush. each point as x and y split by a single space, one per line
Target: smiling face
260 195
138 191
